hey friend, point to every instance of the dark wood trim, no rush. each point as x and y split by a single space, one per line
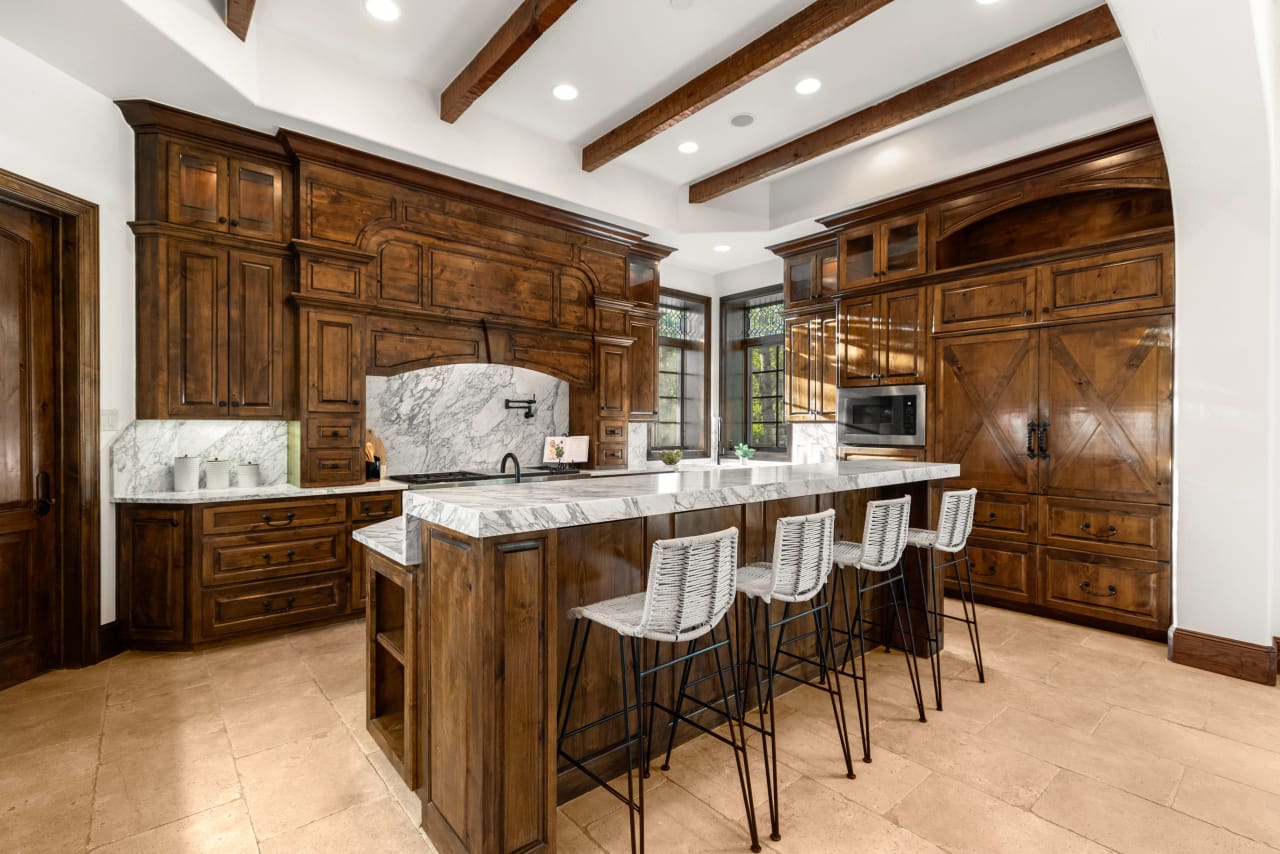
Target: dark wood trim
1249 661
150 116
651 250
311 148
238 15
77 430
110 640
1067 39
525 26
808 27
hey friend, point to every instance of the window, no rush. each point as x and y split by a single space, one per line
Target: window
683 394
752 379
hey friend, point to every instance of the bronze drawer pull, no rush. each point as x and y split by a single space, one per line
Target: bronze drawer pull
336 434
991 517
1111 590
266 518
1110 532
991 570
267 609
385 511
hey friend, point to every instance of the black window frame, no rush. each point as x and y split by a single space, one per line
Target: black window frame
735 353
694 441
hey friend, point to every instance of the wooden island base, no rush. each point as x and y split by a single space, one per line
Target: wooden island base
493 639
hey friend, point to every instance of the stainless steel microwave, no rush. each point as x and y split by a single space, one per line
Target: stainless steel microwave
882 415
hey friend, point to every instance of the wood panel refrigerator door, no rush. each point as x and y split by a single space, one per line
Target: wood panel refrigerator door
198 382
1107 398
859 351
985 395
904 337
29 570
256 324
799 370
825 376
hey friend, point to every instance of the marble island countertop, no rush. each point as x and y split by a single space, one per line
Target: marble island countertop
399 539
488 511
279 490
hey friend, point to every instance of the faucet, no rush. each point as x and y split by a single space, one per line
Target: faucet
502 467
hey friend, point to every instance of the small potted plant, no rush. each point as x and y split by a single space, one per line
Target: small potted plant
670 456
744 452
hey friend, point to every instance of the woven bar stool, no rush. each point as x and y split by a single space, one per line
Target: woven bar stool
690 589
955 522
797 576
879 555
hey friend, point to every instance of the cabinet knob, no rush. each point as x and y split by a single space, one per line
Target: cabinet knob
235 403
355 402
235 223
222 220
222 403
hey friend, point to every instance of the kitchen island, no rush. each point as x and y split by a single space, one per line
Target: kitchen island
501 566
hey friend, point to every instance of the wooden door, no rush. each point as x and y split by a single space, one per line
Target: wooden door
151 562
798 279
334 351
613 380
902 247
826 267
198 187
256 200
29 569
643 366
859 354
904 338
197 294
984 397
859 257
256 335
799 369
825 379
1107 390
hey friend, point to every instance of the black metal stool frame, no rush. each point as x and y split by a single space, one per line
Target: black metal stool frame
934 610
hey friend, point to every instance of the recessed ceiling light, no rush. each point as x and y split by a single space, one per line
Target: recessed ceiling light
681 5
383 10
723 247
741 120
987 2
808 86
687 147
565 92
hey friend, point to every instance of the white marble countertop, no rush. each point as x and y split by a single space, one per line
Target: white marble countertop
279 490
399 539
488 511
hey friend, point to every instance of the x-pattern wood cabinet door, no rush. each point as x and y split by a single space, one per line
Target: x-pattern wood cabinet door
985 395
1107 398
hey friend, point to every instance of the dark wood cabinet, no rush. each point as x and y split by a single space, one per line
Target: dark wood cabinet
365 511
880 252
883 338
334 361
213 190
642 365
225 330
810 276
810 372
152 558
391 684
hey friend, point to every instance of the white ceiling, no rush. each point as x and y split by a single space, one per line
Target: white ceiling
326 67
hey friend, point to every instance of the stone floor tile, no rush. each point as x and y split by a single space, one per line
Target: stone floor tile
283 714
151 723
161 784
223 829
816 820
1249 723
137 675
571 839
46 797
405 797
43 721
331 638
676 822
1123 765
57 682
375 826
1128 823
1137 691
963 820
353 711
339 672
292 785
1238 808
244 670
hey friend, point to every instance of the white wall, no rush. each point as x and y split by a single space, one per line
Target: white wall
69 137
1202 73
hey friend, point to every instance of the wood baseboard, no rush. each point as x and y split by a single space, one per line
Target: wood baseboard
1249 661
110 641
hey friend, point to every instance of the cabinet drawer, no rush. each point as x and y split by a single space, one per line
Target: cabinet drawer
257 557
333 433
988 302
1002 570
375 507
235 518
332 278
1137 530
610 456
611 431
1005 516
611 321
1106 587
255 607
336 468
1119 281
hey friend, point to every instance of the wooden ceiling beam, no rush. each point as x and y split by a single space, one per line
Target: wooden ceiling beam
1067 39
237 16
525 26
811 25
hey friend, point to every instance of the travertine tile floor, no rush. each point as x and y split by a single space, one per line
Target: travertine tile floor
1080 741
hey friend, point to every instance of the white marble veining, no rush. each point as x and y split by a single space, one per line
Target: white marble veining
814 443
279 490
399 539
487 511
452 417
637 445
142 454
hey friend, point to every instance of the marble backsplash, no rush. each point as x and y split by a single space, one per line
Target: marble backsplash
453 417
637 445
142 455
814 443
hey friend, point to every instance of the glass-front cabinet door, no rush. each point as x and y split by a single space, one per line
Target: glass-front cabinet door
903 242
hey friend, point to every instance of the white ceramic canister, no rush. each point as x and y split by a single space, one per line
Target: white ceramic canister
186 474
247 475
217 474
